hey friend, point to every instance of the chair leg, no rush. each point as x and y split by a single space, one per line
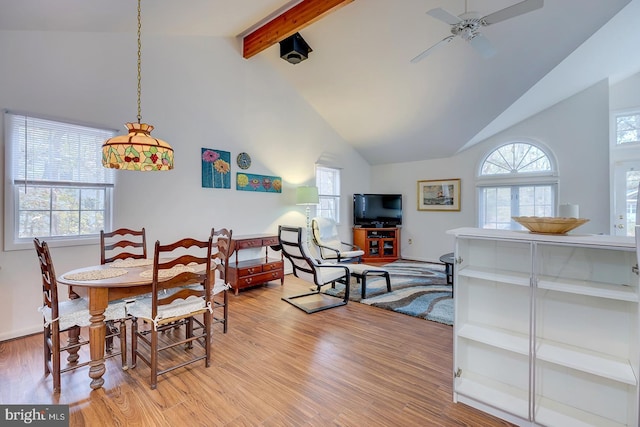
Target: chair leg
363 293
154 358
123 344
134 342
73 340
189 332
225 311
47 349
55 357
207 337
347 287
109 341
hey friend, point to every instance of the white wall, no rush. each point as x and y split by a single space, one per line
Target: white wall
626 93
197 92
576 131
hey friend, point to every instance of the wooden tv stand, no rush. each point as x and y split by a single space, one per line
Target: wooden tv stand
378 244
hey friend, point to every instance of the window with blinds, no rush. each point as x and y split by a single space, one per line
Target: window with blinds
58 189
328 183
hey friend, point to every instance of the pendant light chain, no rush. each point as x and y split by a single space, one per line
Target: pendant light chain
139 63
138 150
26 153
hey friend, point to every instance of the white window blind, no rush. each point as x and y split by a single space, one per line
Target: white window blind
49 151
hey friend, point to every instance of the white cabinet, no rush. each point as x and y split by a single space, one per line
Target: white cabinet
546 327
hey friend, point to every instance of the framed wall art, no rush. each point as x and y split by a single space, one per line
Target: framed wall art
216 168
243 160
258 183
439 195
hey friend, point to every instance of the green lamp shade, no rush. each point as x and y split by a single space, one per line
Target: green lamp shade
307 196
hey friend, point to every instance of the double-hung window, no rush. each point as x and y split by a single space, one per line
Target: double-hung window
56 187
328 183
516 179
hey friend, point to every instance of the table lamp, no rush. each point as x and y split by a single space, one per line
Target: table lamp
307 196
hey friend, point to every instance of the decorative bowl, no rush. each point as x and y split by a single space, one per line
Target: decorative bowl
549 225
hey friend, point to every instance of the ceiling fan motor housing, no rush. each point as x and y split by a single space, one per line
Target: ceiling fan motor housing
294 49
467 29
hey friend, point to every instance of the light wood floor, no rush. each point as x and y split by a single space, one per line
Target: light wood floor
277 366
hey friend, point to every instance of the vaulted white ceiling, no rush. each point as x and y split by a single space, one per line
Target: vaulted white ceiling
359 77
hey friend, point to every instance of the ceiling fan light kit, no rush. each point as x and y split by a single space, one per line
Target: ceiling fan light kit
467 26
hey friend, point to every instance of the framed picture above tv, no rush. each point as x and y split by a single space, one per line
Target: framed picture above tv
439 195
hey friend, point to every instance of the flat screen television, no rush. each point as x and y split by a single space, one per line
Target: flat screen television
377 210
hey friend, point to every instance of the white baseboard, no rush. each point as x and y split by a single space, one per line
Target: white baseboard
20 333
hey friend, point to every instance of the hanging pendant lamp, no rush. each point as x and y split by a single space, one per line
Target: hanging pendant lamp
137 151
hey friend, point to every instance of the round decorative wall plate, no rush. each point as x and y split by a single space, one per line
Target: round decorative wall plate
244 161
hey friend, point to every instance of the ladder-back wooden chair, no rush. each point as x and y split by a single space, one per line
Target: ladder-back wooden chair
67 318
221 248
180 298
122 244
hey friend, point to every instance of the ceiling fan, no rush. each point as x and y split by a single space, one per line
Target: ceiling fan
467 26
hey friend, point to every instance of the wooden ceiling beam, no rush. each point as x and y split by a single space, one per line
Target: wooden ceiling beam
290 22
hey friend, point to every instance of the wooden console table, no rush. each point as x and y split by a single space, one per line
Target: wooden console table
255 271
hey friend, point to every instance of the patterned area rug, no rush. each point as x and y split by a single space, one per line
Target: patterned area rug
418 289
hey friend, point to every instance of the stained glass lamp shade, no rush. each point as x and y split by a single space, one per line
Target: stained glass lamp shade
137 151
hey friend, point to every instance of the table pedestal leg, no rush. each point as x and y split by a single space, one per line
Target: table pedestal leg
98 300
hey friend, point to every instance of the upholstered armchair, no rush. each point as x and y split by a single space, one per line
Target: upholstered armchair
306 267
330 247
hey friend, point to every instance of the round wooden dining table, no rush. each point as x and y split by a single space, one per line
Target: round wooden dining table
100 291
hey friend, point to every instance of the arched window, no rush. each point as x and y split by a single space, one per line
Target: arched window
516 179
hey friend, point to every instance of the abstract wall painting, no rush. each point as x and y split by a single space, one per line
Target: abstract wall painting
258 183
216 168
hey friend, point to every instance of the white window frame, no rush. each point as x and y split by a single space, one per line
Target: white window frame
623 157
328 183
20 176
516 180
615 144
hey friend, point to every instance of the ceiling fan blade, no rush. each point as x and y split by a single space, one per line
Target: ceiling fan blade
444 16
511 11
481 44
433 48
